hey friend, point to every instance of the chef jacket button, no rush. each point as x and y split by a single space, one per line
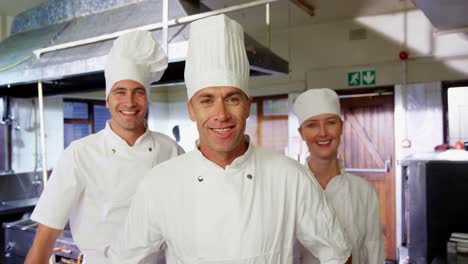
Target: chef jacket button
249 176
150 149
113 150
200 178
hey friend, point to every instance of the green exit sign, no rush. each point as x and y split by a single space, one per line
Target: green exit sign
361 78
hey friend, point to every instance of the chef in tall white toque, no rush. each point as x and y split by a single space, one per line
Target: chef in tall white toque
227 201
93 182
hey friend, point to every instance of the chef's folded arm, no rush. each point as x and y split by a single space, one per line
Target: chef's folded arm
318 229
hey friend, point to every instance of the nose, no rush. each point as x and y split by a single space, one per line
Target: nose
129 99
322 129
221 113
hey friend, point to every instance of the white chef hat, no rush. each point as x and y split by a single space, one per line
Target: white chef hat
135 56
316 102
216 55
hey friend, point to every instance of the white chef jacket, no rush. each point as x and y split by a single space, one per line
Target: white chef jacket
93 183
356 205
247 213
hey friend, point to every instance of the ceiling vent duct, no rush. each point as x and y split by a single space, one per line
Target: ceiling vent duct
358 34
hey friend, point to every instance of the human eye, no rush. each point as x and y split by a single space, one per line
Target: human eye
311 125
140 92
233 100
332 122
206 101
119 92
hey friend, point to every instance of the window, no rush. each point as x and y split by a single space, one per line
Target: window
457 114
4 147
5 140
83 117
267 125
455 111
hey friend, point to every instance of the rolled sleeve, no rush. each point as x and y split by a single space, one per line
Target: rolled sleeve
61 193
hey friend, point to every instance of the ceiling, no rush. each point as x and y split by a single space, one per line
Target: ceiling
325 10
445 15
286 13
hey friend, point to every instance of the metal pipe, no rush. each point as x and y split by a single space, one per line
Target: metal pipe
384 170
43 147
364 95
165 17
267 18
41 121
151 27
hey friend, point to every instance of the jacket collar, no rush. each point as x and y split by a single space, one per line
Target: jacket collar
116 139
240 162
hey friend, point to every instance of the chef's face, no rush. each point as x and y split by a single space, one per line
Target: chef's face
322 134
220 114
127 104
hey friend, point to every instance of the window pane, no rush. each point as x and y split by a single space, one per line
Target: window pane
101 115
275 107
251 128
457 109
275 135
3 147
75 110
4 144
74 131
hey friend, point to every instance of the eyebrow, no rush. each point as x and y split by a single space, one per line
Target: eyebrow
326 119
118 88
233 93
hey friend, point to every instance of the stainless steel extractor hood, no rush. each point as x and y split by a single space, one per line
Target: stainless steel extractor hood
80 68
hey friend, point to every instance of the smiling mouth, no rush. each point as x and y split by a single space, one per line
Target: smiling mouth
323 142
128 112
222 130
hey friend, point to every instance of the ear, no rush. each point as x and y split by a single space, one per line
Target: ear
190 110
342 126
249 106
107 103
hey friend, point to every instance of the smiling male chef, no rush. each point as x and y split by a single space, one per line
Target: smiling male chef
96 177
227 201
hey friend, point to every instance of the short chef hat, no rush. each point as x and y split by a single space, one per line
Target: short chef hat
316 102
216 55
135 56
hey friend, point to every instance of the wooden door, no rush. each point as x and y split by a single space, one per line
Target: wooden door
267 125
367 145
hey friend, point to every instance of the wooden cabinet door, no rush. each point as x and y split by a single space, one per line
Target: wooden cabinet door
367 144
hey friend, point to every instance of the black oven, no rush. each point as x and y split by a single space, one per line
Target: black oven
435 204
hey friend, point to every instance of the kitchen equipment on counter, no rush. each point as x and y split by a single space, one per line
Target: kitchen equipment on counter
19 236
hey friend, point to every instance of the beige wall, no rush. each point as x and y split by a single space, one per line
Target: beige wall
321 55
